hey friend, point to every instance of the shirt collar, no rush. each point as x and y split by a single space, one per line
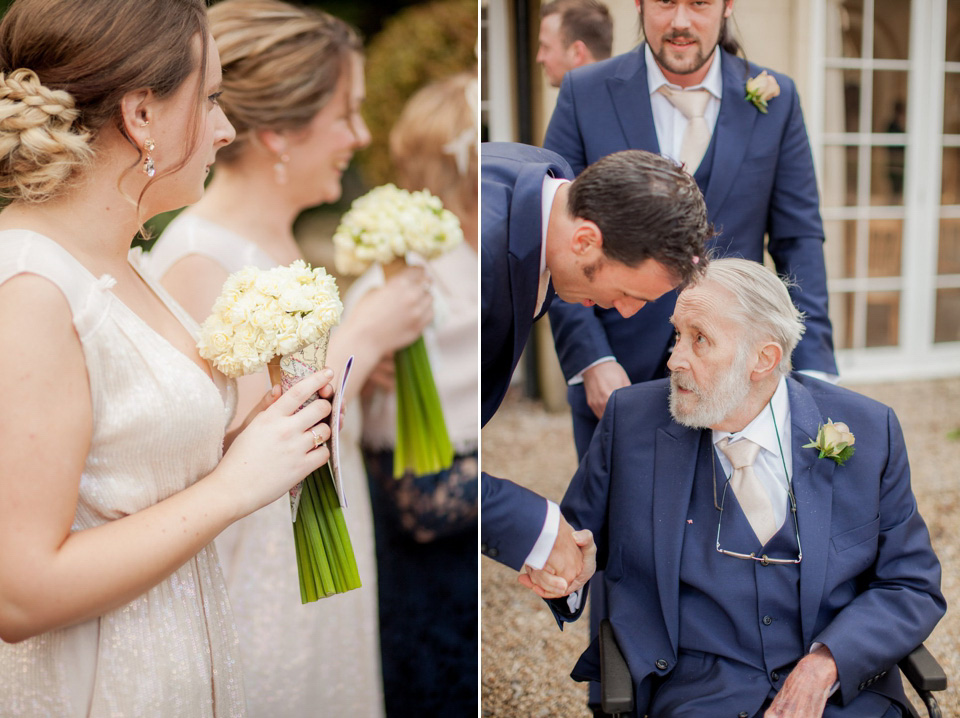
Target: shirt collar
547 195
762 429
713 82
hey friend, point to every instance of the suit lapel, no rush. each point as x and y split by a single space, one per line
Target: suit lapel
813 488
630 95
731 136
526 233
675 466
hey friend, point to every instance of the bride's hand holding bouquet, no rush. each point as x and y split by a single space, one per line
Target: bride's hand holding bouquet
281 318
276 449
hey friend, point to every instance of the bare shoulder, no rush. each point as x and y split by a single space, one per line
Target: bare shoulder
34 314
43 372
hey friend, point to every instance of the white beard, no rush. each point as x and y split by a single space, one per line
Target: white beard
708 407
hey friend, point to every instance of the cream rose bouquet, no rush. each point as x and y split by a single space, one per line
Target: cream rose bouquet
281 318
384 226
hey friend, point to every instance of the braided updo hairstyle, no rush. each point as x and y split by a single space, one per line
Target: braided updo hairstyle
64 68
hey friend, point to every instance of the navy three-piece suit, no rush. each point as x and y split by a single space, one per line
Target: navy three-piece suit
705 634
511 236
757 177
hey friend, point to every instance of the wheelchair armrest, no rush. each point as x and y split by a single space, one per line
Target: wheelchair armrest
923 671
616 685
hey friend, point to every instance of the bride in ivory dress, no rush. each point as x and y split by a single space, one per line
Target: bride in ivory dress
293 85
116 472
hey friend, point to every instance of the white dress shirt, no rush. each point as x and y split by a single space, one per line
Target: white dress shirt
669 122
547 194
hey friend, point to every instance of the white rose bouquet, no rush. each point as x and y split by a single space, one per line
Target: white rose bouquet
384 226
281 318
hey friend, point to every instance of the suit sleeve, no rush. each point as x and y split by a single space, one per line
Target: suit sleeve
563 133
511 518
796 241
578 336
900 601
584 504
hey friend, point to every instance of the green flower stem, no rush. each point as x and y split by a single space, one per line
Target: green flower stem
399 456
350 564
325 560
310 515
423 444
308 587
332 582
338 555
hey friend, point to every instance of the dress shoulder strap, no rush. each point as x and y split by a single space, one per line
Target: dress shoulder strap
26 252
188 235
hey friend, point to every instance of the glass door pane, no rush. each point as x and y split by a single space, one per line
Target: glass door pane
946 323
864 164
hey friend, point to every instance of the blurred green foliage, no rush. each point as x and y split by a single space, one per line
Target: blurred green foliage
419 44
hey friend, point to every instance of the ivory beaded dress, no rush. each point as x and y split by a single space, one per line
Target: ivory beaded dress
158 427
299 660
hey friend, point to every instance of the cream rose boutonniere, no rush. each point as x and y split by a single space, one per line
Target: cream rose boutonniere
834 441
761 89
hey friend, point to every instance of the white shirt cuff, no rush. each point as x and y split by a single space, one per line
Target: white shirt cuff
573 601
578 379
540 552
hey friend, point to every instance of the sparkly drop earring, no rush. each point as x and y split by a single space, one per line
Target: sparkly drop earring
148 167
149 146
280 168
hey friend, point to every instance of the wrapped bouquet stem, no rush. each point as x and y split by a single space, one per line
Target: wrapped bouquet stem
281 318
384 226
423 444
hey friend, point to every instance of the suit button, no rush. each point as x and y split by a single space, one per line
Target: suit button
743 714
862 686
767 620
774 676
483 548
493 553
662 664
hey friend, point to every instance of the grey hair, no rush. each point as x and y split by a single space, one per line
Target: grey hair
763 306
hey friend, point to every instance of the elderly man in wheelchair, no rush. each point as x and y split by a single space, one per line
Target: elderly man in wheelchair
762 549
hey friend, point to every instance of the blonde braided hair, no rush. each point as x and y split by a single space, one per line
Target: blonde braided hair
41 149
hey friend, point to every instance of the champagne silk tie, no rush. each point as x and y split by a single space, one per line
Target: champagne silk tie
753 497
692 104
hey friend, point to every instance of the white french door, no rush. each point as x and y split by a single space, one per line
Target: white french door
885 125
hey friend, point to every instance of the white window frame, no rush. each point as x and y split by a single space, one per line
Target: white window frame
916 355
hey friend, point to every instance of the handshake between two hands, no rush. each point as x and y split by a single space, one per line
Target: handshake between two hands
572 561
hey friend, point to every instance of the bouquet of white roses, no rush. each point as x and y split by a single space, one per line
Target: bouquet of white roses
259 318
384 226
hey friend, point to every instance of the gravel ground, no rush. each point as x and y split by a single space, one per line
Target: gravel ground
526 661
